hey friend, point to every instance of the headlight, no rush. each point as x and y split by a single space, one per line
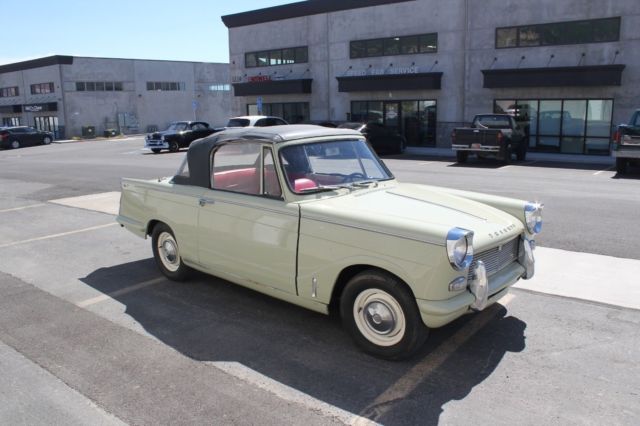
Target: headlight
533 217
460 248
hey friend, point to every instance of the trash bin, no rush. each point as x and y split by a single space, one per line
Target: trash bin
89 132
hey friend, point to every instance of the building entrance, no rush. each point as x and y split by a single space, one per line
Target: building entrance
47 124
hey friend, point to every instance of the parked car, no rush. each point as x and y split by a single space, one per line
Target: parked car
16 137
310 215
383 139
255 121
178 135
626 143
490 135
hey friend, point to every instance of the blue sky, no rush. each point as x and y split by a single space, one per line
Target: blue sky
189 30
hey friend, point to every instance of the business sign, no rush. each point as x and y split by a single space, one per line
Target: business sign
383 71
259 78
51 106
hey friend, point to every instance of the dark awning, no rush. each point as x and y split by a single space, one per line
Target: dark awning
593 75
388 82
273 87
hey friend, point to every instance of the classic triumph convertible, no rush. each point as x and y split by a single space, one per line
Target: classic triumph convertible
310 215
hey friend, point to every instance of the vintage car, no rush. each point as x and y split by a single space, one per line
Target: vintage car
310 215
178 135
255 121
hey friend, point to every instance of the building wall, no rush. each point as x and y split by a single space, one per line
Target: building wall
132 110
466 46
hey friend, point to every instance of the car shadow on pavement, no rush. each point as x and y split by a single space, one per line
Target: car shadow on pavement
209 319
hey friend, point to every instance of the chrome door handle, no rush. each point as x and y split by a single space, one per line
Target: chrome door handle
204 201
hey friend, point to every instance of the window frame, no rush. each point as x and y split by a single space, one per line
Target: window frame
298 57
540 29
262 147
400 41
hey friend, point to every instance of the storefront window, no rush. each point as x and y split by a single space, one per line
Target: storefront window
291 112
415 120
573 126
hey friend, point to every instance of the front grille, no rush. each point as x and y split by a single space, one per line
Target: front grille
497 258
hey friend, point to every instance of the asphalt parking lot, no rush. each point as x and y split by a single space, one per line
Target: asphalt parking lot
91 333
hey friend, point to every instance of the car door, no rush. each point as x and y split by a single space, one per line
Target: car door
199 130
32 136
248 233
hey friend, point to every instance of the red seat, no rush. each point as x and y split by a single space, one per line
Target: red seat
303 183
239 180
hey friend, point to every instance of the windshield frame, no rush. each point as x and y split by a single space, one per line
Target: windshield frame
341 185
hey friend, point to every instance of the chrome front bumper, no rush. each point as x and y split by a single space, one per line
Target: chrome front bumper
483 289
155 144
476 148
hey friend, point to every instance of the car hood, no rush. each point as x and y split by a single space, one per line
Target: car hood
419 212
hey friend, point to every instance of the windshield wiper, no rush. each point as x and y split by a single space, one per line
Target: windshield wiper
365 183
325 188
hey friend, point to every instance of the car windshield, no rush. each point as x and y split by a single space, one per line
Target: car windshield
178 127
238 122
323 166
493 122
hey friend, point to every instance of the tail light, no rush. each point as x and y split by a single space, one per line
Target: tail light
500 136
616 137
4 136
453 137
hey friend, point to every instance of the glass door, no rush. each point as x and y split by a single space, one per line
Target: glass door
392 115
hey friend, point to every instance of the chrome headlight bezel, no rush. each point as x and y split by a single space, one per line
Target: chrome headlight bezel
533 217
460 248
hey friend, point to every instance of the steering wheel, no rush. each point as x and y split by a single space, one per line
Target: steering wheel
353 176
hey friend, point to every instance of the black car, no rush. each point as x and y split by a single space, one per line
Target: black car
15 137
383 139
178 135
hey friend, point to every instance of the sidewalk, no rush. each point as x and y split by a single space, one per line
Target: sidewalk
604 160
101 138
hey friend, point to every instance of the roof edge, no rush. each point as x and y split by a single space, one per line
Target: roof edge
299 9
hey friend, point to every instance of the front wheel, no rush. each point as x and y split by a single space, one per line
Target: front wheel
174 147
46 140
156 150
167 253
382 316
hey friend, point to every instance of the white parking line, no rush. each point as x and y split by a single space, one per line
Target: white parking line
602 171
120 292
62 234
15 209
420 372
289 394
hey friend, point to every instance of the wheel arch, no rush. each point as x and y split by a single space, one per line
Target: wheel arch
351 271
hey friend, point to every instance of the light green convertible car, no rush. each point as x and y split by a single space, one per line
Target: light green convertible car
310 215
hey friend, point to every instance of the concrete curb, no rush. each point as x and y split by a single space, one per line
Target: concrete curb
531 156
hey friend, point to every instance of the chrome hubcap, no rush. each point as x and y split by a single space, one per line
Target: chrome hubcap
168 251
379 317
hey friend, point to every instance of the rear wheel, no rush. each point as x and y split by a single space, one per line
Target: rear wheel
15 144
167 253
621 165
382 316
522 153
507 155
462 156
174 147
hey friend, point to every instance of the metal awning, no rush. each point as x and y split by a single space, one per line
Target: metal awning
591 75
272 87
389 82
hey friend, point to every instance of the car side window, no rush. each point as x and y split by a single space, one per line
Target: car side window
235 168
261 123
198 126
637 123
270 176
278 122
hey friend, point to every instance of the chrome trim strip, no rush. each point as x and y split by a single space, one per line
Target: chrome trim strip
439 205
376 231
235 203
